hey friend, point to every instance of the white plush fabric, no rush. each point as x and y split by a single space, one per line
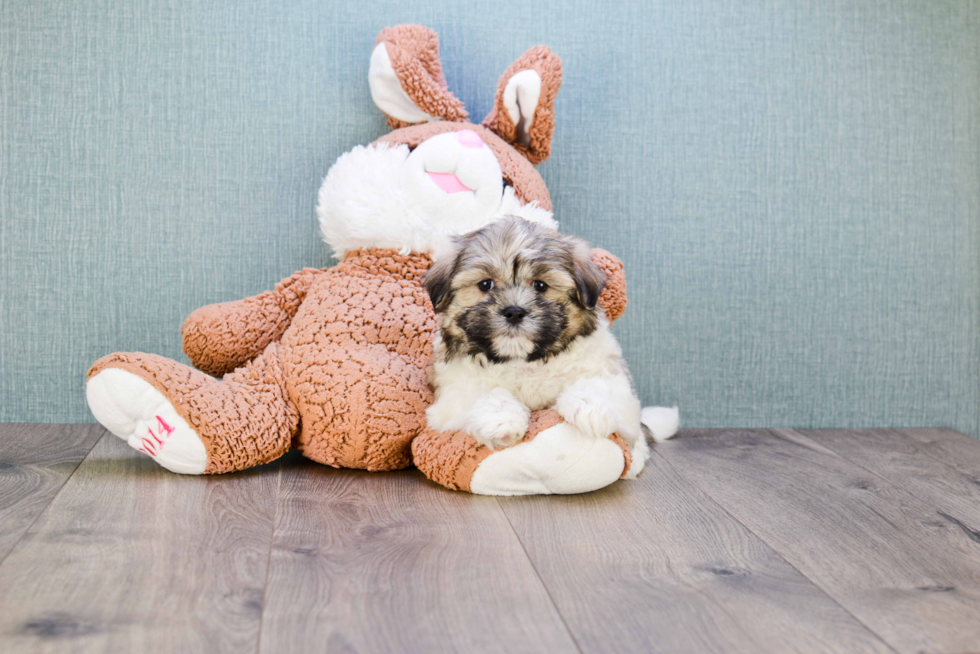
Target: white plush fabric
387 91
559 460
476 168
382 197
135 411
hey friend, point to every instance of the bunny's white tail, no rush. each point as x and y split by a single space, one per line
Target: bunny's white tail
661 421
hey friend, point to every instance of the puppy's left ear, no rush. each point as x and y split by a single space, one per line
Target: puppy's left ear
438 280
524 108
590 279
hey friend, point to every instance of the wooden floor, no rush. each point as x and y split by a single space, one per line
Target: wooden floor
731 541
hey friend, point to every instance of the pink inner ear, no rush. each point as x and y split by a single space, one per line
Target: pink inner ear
448 182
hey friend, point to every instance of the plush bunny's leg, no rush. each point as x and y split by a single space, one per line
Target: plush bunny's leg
554 457
363 405
190 422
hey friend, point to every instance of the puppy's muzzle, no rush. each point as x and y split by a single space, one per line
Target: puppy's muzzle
514 315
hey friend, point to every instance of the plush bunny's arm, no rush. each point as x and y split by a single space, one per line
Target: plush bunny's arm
613 296
221 337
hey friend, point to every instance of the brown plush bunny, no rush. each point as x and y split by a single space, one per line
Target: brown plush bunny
333 362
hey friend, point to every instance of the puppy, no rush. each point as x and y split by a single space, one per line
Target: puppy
520 330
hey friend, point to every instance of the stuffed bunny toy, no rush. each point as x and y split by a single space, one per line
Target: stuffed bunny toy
333 362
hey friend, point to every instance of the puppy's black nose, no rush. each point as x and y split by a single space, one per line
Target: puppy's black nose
514 315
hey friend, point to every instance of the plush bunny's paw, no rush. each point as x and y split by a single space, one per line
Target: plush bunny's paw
132 409
498 420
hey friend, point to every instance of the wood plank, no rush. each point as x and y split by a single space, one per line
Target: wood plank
655 565
35 462
132 558
953 448
390 562
910 575
904 462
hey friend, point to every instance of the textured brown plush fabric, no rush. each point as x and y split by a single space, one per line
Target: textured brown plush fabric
451 458
613 297
350 368
221 337
356 357
548 66
345 383
517 170
414 54
627 453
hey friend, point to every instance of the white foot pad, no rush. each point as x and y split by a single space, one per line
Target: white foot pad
559 460
135 411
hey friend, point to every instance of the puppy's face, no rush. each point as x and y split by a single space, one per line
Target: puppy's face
515 290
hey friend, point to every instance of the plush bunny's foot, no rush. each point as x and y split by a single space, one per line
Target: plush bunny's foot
554 457
135 411
560 460
190 422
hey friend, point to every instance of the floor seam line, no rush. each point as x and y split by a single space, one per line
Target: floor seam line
50 501
268 562
537 574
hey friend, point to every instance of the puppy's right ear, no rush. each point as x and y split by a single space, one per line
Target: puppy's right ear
590 279
406 78
438 280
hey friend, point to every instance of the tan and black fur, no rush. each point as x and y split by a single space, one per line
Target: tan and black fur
529 267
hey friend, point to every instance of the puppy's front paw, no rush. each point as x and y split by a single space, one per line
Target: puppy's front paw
498 419
592 415
442 415
595 418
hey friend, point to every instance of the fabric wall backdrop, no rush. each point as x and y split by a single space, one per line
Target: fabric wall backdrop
793 186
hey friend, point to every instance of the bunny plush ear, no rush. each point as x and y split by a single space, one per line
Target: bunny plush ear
406 78
524 109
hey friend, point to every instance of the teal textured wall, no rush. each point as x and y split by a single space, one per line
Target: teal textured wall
794 186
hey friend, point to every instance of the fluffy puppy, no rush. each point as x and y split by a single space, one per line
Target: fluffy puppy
520 330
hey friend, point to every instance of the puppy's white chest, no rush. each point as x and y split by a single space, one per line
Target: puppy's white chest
537 387
536 384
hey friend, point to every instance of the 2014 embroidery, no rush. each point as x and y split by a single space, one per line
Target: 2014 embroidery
154 442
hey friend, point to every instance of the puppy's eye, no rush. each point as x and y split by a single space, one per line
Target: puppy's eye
539 286
485 285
